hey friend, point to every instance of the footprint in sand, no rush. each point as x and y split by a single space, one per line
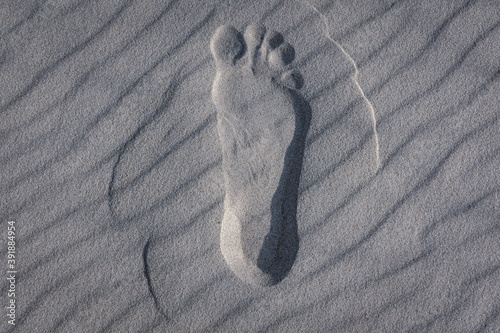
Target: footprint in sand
262 123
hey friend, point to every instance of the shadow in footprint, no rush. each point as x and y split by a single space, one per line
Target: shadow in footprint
283 229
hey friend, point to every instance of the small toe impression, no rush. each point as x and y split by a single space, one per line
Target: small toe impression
273 39
226 45
254 34
292 79
282 56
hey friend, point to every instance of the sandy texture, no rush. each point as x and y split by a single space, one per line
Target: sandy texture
111 166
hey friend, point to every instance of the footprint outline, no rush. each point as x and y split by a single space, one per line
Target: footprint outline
254 83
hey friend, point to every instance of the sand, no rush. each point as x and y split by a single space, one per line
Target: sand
368 145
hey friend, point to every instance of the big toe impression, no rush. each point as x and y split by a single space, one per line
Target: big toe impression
226 45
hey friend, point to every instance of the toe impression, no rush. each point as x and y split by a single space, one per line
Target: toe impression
226 45
281 56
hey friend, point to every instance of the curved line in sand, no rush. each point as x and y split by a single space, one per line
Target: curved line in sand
355 80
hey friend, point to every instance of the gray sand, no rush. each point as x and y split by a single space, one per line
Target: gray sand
112 168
